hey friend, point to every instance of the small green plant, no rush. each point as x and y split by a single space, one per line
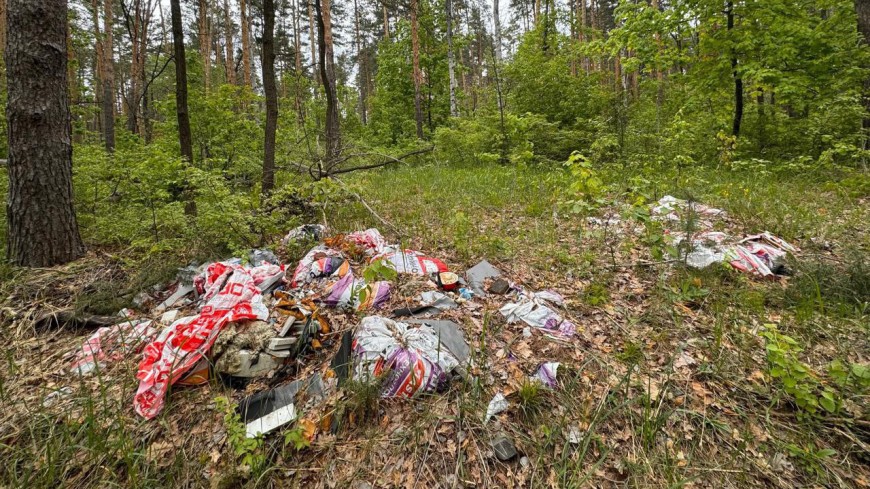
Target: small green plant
811 458
596 294
296 438
631 354
689 291
248 451
798 380
531 398
586 189
362 399
377 270
461 225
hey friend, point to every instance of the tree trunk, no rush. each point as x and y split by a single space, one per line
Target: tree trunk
496 20
418 77
297 49
862 8
185 139
386 23
312 32
738 81
246 44
361 63
42 226
108 78
271 95
327 73
204 34
228 36
451 61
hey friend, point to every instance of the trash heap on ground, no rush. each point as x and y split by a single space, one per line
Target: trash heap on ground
234 321
698 230
761 254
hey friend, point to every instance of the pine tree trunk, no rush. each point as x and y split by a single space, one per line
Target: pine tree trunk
246 44
228 36
108 78
184 136
361 62
327 73
204 34
312 33
42 226
271 95
451 57
386 23
496 20
418 77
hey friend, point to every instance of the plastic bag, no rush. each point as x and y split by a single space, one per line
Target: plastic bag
532 308
411 356
111 344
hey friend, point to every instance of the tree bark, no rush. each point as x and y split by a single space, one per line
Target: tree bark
185 139
451 58
312 35
42 225
361 62
230 65
386 23
107 66
246 44
418 77
496 21
862 8
204 34
327 73
738 81
271 95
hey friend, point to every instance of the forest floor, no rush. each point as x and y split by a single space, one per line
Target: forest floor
667 382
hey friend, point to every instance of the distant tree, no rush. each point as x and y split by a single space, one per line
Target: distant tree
185 139
327 74
43 230
862 7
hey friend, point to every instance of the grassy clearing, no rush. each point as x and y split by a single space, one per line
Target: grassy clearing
668 382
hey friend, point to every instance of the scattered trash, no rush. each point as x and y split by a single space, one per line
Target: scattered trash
447 280
313 232
497 405
239 349
466 294
266 410
477 274
413 263
546 374
761 254
669 208
112 343
410 357
169 317
503 447
450 336
258 258
352 293
575 436
370 240
499 286
532 308
180 291
432 302
56 396
318 263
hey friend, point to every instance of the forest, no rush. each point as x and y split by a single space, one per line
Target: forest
435 243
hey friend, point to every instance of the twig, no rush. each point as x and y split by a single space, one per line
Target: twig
645 263
369 208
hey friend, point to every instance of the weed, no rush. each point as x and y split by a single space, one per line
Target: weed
362 400
531 398
248 451
596 294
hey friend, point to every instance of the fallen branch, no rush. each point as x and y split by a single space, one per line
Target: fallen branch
389 159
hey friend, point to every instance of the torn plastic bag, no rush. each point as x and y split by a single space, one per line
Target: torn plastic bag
669 208
319 262
211 281
703 257
411 357
257 258
313 232
112 343
497 405
546 374
411 262
231 296
532 308
347 293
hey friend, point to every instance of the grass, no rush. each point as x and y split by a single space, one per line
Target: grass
666 384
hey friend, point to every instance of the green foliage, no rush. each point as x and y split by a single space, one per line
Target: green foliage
248 451
798 380
586 191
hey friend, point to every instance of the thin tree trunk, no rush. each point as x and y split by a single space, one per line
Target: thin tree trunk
297 46
228 36
246 44
361 63
451 59
386 23
204 34
327 73
271 95
312 35
418 77
862 8
42 226
496 20
738 81
108 78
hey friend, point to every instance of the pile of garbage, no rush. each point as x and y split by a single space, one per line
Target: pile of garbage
238 320
762 254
